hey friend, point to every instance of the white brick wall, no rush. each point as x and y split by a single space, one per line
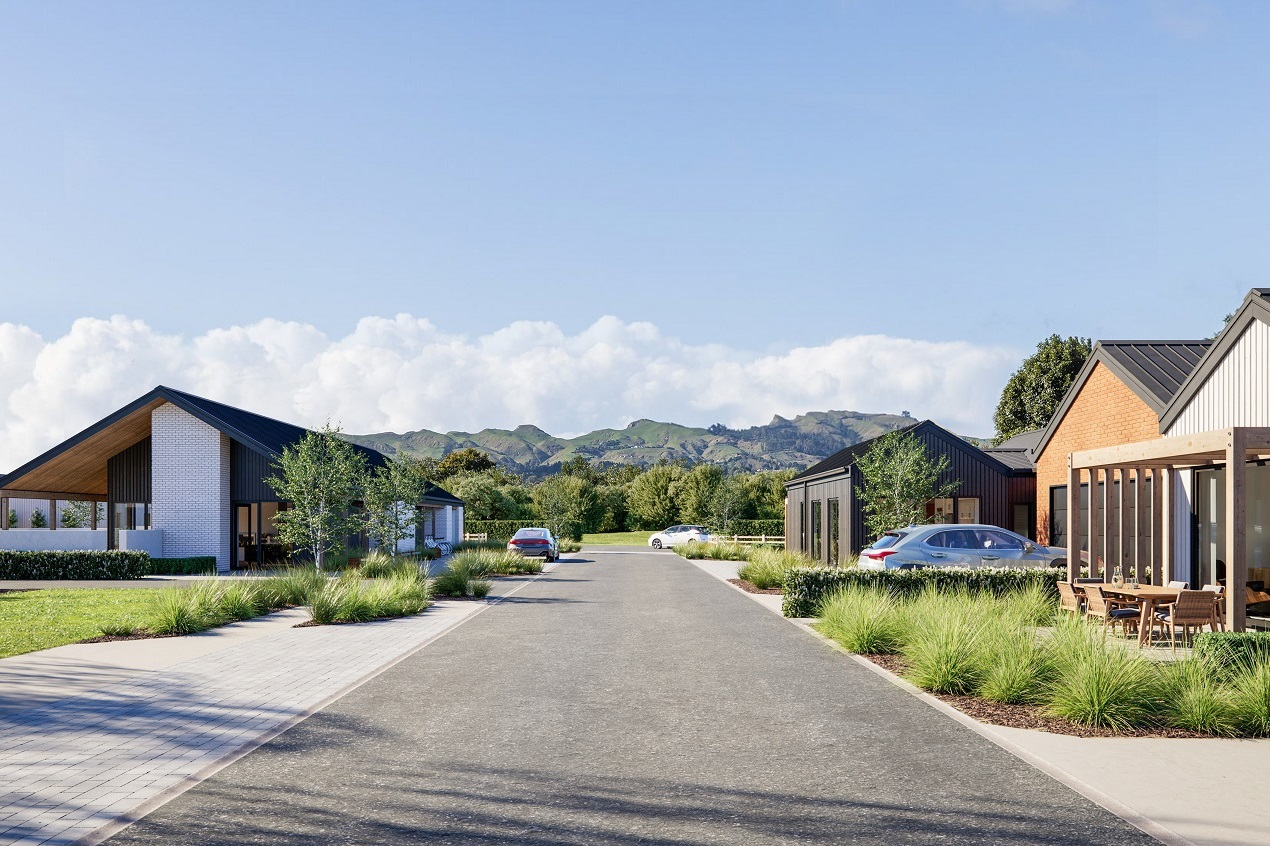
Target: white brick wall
189 485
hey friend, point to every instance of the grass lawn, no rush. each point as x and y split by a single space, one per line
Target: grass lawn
618 538
40 619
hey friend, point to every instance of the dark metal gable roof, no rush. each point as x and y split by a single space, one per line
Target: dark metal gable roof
1153 370
1256 306
844 458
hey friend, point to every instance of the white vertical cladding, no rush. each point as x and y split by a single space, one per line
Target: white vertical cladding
1237 392
448 522
189 485
459 528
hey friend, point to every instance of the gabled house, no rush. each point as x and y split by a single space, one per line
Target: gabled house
180 476
1117 398
824 516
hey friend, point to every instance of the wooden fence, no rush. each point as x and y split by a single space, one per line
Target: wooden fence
752 540
476 536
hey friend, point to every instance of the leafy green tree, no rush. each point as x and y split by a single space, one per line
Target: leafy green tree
322 476
651 497
727 503
38 520
1036 389
467 460
491 495
582 468
765 494
567 505
695 493
899 477
614 512
13 517
390 495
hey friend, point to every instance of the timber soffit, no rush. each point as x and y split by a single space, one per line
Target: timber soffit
1154 370
1256 306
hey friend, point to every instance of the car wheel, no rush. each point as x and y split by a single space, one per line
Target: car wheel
656 542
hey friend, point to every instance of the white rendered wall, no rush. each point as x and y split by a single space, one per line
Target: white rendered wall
189 485
145 540
61 539
1237 392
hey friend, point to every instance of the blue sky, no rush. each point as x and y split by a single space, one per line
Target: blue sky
758 175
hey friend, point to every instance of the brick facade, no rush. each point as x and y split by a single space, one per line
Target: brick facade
1106 412
190 485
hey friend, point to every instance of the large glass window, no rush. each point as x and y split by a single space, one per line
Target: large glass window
816 548
834 521
967 509
129 516
939 511
256 533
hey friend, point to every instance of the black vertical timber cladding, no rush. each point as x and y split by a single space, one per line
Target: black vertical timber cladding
998 488
248 470
128 474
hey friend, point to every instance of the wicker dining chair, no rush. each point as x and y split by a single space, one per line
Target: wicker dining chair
1099 607
1179 585
1193 609
1219 600
1068 600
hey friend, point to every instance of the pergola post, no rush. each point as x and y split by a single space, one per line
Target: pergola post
1159 525
93 519
4 512
1093 524
1125 527
52 514
1073 521
1236 525
1105 512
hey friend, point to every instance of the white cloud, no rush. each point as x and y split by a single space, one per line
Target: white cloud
404 373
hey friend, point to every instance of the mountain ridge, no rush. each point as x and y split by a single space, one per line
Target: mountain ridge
778 445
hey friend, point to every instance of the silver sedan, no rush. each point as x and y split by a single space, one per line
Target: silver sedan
957 545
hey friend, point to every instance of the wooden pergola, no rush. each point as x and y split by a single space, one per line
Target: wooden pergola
1157 462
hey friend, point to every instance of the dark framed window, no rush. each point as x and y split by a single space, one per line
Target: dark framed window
834 520
816 534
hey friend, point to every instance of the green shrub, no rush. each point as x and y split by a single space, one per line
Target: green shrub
195 565
292 587
381 565
868 621
943 639
349 599
1100 684
462 546
806 587
488 562
767 568
1194 698
79 564
186 610
464 576
754 527
1250 697
1229 650
714 551
569 545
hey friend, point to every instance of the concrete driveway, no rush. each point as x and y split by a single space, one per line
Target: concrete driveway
629 698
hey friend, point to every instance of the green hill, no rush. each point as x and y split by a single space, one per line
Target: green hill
778 445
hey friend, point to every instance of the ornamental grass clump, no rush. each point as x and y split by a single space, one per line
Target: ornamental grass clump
465 575
723 551
766 567
350 599
500 562
293 587
1015 666
1100 684
1250 697
1195 699
868 621
943 641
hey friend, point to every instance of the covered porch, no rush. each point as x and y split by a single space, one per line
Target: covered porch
1127 510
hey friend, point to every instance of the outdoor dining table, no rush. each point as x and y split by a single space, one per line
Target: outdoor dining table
1149 596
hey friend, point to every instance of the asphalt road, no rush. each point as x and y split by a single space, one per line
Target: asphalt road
629 699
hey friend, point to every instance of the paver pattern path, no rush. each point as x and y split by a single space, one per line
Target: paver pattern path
632 699
71 766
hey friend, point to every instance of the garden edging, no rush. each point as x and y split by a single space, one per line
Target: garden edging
985 730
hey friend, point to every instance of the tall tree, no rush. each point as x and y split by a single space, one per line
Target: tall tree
695 493
899 477
389 499
466 460
322 476
1034 391
651 499
567 505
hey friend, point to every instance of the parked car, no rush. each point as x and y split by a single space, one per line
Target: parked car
535 541
676 535
957 545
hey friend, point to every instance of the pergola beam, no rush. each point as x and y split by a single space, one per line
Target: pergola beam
1197 449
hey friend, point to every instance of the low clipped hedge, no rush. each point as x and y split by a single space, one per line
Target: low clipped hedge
80 564
194 565
807 587
756 527
1233 648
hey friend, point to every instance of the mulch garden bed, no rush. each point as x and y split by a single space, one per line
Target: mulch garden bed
749 587
1023 716
137 636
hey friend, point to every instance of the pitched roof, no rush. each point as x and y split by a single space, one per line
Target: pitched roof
1256 306
1153 370
1023 440
1016 459
80 455
844 458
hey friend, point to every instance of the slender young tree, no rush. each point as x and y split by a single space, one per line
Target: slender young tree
391 494
899 477
322 476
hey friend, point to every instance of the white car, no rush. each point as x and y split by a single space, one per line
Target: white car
676 535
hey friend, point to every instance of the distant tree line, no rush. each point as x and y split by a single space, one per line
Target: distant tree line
584 498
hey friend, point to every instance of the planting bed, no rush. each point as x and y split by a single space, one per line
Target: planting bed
749 587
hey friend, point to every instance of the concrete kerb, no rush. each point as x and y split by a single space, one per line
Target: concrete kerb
118 824
1132 817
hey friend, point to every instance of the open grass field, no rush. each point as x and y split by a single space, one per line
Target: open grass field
41 619
618 539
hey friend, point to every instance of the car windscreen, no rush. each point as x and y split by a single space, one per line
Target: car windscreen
887 540
530 533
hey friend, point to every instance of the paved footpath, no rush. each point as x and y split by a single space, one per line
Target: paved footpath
631 699
74 766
